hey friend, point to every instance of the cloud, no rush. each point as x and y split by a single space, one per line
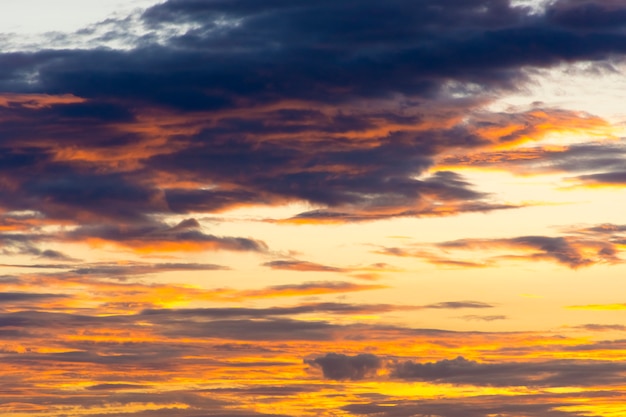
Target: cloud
295 265
270 329
458 304
474 317
358 111
192 117
122 270
602 327
461 371
602 155
540 374
115 387
16 297
309 288
55 255
605 178
595 163
365 272
155 237
308 308
480 406
339 366
588 14
579 248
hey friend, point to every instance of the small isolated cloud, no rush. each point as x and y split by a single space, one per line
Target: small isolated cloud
474 317
338 366
602 327
295 265
459 304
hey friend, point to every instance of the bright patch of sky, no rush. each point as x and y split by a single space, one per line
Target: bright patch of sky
41 24
574 87
40 16
538 6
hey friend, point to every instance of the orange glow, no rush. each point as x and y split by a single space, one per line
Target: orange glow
37 101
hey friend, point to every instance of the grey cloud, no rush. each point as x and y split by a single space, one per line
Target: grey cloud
310 308
276 329
557 373
580 247
9 297
339 366
603 327
481 406
155 233
295 265
474 317
458 304
245 55
115 387
128 269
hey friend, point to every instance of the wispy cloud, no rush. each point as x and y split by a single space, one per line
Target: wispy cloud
579 248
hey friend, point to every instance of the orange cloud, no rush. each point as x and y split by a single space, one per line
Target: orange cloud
37 101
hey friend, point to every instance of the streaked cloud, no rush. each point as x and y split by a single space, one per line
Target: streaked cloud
580 248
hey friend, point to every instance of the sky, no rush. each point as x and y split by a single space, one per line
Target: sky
330 208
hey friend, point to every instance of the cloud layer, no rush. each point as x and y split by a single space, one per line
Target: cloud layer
190 195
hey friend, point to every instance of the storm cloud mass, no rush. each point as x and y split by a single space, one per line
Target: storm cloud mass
340 105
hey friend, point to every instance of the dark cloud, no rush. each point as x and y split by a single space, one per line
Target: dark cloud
277 329
562 250
579 248
276 324
320 74
55 255
311 288
271 391
589 15
310 308
13 297
145 403
120 271
481 406
328 216
344 106
295 265
603 327
460 371
595 163
339 366
115 387
608 178
459 304
580 157
561 373
109 196
186 235
474 317
378 49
